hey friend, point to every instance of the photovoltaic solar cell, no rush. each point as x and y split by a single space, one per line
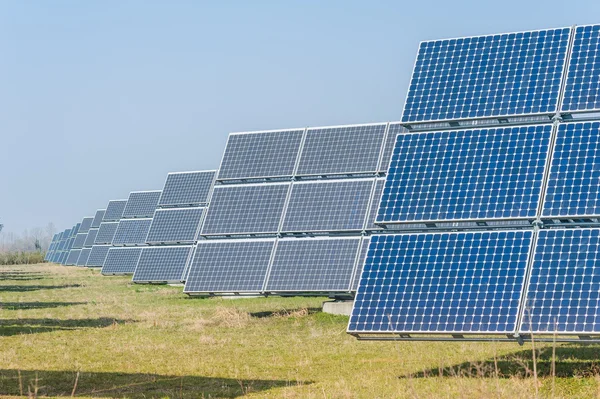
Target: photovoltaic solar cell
86 223
79 240
132 232
114 210
245 209
225 266
362 256
390 141
563 293
333 205
175 225
342 150
73 256
91 238
313 264
106 233
374 206
487 76
582 92
494 173
121 260
97 255
162 264
83 256
466 282
141 204
98 218
187 188
260 154
572 188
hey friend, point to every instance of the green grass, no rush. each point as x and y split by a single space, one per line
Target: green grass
67 328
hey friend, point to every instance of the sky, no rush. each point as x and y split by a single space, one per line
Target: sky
100 98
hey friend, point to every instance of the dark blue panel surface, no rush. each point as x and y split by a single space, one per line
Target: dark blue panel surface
493 173
121 260
97 255
162 264
141 204
175 225
563 293
187 188
582 91
487 76
83 256
114 210
468 282
106 233
98 218
132 232
572 188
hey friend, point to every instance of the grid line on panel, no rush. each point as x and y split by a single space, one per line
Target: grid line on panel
98 218
328 206
487 76
260 154
83 256
563 293
313 265
160 264
245 209
132 232
341 150
226 266
141 204
472 174
467 282
91 238
582 92
187 188
121 260
97 255
106 233
114 210
86 223
572 185
174 225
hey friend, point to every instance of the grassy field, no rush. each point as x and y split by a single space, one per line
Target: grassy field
68 331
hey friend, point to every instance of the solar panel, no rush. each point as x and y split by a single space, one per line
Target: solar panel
458 282
572 188
79 240
229 266
473 174
83 256
98 218
341 150
73 256
121 260
582 92
332 205
175 225
394 130
141 204
374 206
260 154
91 238
322 264
106 233
97 256
362 256
75 230
563 293
487 76
86 223
132 232
63 257
114 210
187 188
162 264
245 209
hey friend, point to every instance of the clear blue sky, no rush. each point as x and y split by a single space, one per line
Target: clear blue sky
101 98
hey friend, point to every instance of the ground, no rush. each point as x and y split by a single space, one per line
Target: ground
67 331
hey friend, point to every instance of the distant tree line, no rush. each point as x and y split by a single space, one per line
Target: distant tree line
32 240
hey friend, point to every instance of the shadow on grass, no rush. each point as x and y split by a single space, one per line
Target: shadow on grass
286 313
26 288
22 276
10 327
36 305
108 385
571 361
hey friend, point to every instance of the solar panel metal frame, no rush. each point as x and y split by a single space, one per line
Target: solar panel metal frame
108 269
164 247
494 117
140 221
156 219
132 202
172 204
262 177
112 207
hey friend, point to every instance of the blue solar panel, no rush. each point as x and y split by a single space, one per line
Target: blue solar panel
162 264
175 225
563 293
332 205
321 264
114 210
106 233
260 154
390 141
582 92
86 223
141 204
132 232
245 209
98 218
91 238
493 173
79 240
362 256
83 256
121 260
487 76
187 188
572 188
73 256
467 282
97 255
